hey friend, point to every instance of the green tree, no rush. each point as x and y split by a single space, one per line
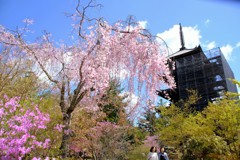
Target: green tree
138 152
210 134
170 125
16 78
223 117
113 104
148 122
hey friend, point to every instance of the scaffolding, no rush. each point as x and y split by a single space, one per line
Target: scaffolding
206 72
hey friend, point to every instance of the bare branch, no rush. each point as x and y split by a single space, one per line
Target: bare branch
165 43
62 98
83 16
69 89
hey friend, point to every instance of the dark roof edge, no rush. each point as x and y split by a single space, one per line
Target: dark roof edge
197 48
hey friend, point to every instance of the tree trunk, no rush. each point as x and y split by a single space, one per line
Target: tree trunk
66 115
65 135
94 155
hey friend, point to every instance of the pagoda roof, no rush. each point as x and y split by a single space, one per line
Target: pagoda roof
185 52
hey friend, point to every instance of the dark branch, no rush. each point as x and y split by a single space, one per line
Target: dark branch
75 98
79 98
62 99
83 16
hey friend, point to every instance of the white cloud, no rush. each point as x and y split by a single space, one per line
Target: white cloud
132 100
227 51
211 45
143 24
123 74
238 44
192 38
207 21
172 37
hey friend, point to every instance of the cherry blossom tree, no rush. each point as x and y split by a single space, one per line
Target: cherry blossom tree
107 140
81 73
152 141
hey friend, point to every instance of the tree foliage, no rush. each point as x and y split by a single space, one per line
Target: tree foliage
114 104
210 134
148 122
105 133
16 76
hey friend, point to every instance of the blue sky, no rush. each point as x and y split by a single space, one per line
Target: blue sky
210 23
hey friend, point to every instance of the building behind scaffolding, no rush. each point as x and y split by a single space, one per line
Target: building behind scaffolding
206 72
